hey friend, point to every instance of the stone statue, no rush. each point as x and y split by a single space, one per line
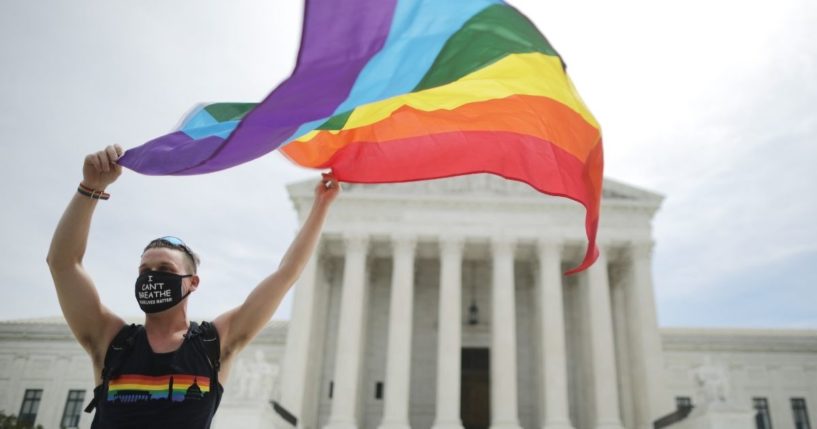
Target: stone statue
260 384
253 379
239 379
714 406
711 384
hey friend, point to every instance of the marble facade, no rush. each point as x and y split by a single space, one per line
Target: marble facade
442 305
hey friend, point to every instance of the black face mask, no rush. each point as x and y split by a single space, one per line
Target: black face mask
159 290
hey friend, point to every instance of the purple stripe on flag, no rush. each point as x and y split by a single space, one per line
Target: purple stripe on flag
339 38
170 153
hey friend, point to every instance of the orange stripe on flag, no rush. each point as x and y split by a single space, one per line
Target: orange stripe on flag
538 117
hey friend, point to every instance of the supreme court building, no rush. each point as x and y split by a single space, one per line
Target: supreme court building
442 305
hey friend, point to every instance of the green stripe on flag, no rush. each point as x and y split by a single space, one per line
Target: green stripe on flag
336 122
492 34
222 112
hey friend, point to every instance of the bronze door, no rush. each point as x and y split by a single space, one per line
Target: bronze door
475 393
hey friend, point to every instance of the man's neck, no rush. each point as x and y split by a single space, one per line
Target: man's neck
167 323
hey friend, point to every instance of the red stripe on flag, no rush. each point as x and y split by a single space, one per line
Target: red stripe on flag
539 163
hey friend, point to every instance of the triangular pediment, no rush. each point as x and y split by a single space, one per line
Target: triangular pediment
476 185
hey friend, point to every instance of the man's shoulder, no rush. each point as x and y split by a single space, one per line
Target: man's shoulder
126 336
205 329
207 334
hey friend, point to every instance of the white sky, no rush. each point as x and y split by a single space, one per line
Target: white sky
710 103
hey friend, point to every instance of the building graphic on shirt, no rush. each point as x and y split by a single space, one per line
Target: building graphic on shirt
193 392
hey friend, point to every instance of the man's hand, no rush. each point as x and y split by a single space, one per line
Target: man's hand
100 169
327 189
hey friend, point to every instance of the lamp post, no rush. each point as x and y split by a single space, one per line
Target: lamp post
473 310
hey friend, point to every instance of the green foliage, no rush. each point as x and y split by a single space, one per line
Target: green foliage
10 422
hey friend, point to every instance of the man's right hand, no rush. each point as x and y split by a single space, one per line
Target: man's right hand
100 169
93 324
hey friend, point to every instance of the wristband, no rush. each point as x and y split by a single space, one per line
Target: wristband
92 193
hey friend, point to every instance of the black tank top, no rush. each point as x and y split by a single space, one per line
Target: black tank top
179 389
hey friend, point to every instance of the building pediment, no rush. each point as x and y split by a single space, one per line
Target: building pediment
474 185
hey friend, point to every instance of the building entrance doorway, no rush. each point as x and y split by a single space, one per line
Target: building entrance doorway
475 385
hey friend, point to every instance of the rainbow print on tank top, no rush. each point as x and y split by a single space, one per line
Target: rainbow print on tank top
176 387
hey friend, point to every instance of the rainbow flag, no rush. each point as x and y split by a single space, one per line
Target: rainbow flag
404 90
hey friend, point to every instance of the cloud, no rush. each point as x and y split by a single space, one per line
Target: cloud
777 293
710 104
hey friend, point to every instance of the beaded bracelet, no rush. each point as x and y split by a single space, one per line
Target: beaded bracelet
92 193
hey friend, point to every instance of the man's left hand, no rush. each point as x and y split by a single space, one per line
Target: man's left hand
327 189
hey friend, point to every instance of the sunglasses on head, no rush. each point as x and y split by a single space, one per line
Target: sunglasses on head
177 242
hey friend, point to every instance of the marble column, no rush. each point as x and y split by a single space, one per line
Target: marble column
504 409
307 316
449 349
553 365
350 335
651 398
602 348
398 359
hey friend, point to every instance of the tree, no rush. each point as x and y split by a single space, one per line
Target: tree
10 421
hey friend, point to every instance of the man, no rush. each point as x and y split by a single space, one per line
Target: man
169 372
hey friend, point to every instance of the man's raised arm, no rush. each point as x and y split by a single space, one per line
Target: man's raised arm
241 324
93 325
